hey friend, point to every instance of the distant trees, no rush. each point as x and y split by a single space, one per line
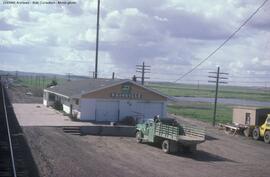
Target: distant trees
53 83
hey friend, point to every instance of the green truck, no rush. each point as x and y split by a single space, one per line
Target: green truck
172 136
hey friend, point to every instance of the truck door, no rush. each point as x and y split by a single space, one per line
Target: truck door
146 129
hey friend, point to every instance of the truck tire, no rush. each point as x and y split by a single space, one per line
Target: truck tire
166 146
139 137
267 137
256 133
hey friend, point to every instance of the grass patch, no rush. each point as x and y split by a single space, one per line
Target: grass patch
202 111
209 91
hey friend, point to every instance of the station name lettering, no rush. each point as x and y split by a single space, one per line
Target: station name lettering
127 95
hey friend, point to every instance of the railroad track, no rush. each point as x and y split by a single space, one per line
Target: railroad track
12 163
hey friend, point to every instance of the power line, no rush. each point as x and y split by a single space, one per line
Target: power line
224 42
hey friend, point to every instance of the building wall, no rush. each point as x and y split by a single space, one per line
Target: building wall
46 99
115 110
87 109
239 116
66 108
45 102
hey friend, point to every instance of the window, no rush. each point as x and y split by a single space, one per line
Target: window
247 120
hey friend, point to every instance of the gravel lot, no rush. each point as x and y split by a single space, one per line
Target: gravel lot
58 154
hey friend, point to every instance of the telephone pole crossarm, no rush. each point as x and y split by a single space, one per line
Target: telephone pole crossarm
218 80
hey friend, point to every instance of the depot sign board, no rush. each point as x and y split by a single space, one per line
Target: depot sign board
126 92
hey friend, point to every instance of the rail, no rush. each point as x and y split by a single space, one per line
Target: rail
14 173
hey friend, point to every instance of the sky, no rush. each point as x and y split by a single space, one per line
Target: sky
172 36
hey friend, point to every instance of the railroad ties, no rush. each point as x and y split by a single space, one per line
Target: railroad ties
11 155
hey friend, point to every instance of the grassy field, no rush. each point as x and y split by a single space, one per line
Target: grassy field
202 111
209 91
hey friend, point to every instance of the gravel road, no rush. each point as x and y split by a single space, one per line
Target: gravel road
58 154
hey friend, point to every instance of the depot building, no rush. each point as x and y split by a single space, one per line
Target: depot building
106 100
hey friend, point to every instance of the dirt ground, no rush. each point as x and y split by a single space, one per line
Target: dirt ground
59 154
17 94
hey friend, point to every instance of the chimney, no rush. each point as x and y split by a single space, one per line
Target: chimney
134 78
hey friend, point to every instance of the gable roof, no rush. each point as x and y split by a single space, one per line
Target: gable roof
76 88
79 87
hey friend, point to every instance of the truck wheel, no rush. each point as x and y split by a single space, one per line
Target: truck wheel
138 137
166 146
267 137
256 133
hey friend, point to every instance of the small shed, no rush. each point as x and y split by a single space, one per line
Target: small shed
250 115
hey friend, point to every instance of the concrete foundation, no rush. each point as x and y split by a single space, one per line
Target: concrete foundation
104 130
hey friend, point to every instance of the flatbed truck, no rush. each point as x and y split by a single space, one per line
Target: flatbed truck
172 136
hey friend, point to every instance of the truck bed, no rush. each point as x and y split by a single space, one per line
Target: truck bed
184 134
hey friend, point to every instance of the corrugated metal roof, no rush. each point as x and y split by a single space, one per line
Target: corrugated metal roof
74 89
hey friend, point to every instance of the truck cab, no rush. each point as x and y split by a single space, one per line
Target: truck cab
145 130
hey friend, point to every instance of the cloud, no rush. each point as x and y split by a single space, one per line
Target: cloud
184 24
4 26
170 35
261 21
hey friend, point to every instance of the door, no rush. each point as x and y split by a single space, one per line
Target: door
107 111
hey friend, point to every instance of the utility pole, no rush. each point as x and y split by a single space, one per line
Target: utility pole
218 80
143 69
36 85
43 81
97 40
113 76
68 76
38 81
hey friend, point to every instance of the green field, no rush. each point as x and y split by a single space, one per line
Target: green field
202 111
209 91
